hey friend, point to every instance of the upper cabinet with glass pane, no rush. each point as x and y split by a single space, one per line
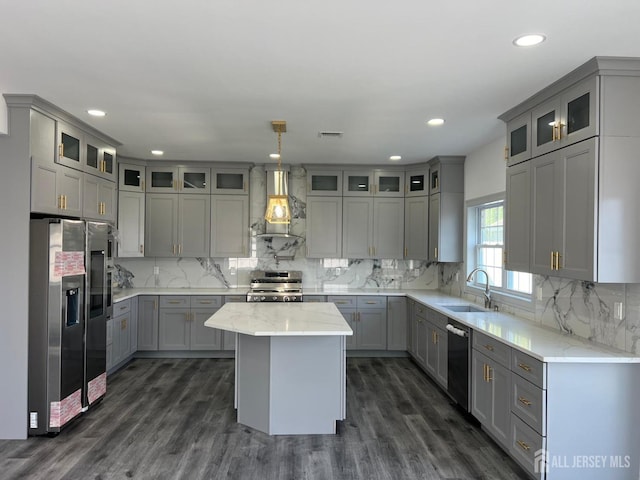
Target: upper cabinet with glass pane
416 182
519 139
131 178
178 179
380 183
324 183
388 183
230 181
82 151
566 118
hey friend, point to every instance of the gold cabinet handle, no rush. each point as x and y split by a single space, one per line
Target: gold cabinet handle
552 260
484 371
205 302
174 249
60 202
61 150
341 302
523 445
369 302
506 152
489 347
558 257
524 401
174 302
554 137
435 252
179 249
406 252
489 377
525 367
65 202
434 337
142 185
560 127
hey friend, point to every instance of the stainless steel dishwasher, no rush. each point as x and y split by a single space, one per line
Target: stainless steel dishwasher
458 366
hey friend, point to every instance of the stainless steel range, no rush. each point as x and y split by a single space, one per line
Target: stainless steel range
275 286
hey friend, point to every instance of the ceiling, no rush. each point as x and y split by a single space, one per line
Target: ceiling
202 79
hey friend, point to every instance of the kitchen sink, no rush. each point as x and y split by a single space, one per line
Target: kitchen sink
464 308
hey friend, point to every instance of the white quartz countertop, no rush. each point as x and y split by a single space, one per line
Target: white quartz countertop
280 319
540 342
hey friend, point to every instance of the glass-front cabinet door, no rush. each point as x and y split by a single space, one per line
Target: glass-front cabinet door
434 178
194 180
70 150
566 118
99 158
357 183
388 183
324 183
519 139
230 180
131 177
416 182
162 179
109 163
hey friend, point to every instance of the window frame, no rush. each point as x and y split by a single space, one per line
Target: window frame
499 294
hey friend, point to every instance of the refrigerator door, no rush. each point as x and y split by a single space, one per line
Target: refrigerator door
98 303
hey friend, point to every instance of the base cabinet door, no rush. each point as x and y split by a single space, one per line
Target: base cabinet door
204 338
174 331
421 340
397 323
491 387
371 329
148 322
436 357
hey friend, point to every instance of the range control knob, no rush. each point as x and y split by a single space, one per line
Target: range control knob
262 299
286 299
274 298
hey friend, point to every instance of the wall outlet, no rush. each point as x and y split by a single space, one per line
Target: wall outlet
156 270
539 293
457 277
618 310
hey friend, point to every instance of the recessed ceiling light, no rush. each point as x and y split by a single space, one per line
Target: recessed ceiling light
435 122
274 156
529 40
157 152
96 113
395 158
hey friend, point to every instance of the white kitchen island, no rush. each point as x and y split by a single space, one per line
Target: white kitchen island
290 365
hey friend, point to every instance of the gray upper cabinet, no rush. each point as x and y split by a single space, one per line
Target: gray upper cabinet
324 182
99 199
357 183
357 228
194 225
324 227
188 180
71 151
388 183
564 192
162 179
518 218
161 225
416 227
388 227
446 208
566 118
100 158
131 177
519 139
416 182
229 226
131 212
230 181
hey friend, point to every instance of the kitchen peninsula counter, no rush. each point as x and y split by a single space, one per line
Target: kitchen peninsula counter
290 365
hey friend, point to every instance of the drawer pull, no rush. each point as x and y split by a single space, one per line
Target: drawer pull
205 302
525 367
123 308
341 302
523 445
370 303
174 302
524 401
489 347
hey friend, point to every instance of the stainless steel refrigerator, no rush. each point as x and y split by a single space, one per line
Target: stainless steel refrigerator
69 301
56 323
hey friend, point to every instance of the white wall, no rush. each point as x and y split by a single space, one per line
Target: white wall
485 170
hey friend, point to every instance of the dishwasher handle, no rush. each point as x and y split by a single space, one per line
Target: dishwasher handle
456 331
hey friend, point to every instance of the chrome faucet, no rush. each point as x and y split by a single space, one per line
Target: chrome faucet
487 292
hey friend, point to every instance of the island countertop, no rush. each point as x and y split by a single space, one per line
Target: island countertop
280 319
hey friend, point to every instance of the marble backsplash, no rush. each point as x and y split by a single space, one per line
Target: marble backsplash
573 307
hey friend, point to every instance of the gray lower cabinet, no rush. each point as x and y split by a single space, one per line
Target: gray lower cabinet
120 329
490 387
148 322
436 345
397 323
367 317
181 323
419 333
324 227
131 213
416 228
229 226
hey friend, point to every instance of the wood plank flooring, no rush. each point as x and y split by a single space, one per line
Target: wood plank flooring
174 419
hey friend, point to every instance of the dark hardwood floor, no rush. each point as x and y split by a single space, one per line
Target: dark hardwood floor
174 419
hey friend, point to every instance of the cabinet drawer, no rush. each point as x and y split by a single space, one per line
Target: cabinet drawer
529 403
437 318
314 298
205 301
372 302
343 301
524 442
174 301
122 307
235 298
528 367
420 310
494 349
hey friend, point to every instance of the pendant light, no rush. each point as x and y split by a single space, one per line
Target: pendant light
278 205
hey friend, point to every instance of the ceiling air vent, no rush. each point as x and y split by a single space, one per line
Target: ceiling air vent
330 134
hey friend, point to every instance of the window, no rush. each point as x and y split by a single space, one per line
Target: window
485 227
